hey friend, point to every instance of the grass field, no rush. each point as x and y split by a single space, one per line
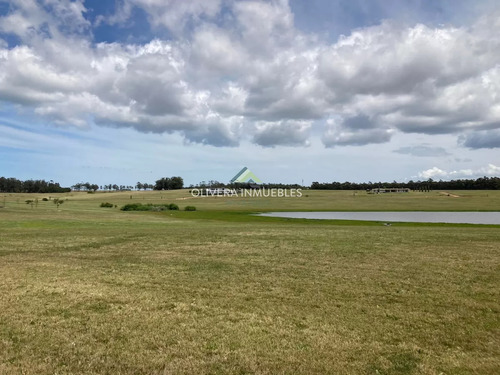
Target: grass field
90 290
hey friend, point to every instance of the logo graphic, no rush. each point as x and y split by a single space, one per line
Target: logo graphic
252 190
246 176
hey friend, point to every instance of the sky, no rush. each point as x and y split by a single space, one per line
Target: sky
126 91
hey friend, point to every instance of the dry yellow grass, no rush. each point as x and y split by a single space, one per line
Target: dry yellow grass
89 290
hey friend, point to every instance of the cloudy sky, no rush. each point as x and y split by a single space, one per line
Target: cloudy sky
300 90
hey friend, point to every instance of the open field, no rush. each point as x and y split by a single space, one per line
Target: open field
312 200
90 290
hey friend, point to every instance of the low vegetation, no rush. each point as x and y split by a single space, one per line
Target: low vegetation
58 201
149 207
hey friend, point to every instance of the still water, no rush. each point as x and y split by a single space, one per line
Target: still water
411 217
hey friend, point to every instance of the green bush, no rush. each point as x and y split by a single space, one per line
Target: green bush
107 204
149 207
45 199
160 207
137 207
190 208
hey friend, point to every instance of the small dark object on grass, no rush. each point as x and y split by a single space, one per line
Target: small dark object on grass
190 208
107 205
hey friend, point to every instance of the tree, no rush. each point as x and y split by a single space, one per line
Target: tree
169 183
177 183
58 202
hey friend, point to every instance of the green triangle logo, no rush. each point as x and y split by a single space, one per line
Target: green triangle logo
245 176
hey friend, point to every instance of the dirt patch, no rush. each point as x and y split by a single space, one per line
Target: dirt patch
449 194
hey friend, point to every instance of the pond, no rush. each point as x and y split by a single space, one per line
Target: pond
407 216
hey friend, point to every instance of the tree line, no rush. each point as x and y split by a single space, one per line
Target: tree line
87 186
13 185
481 183
165 183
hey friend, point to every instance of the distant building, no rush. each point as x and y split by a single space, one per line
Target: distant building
387 190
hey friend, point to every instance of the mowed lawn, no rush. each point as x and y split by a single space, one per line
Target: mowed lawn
90 290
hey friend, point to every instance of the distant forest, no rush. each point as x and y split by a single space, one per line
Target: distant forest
482 183
13 185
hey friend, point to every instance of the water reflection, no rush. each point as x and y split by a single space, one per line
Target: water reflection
412 217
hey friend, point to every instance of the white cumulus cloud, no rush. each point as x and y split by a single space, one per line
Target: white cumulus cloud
490 170
236 70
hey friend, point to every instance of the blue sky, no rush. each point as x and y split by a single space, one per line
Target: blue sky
134 90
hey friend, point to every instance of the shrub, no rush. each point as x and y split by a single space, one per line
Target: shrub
149 207
136 207
160 207
45 199
58 201
190 208
107 204
130 207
